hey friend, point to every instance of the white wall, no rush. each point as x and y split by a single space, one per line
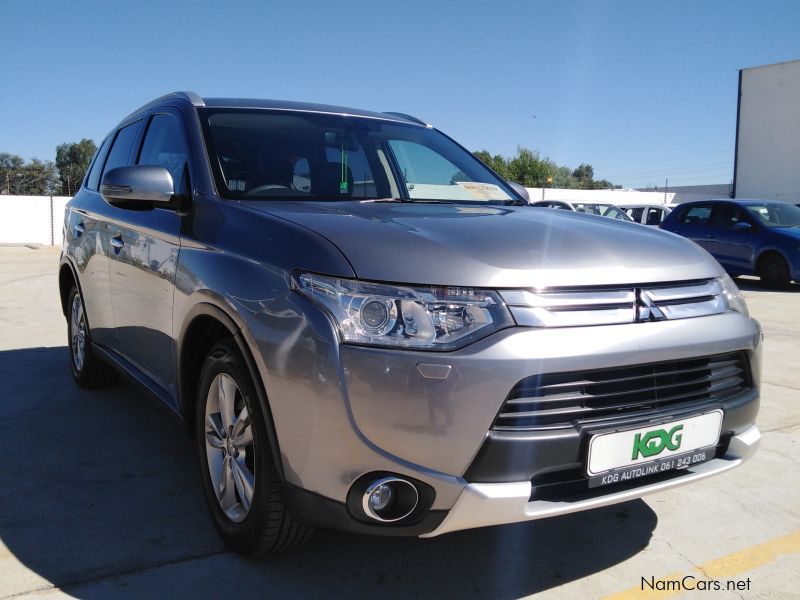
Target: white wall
26 220
768 154
619 197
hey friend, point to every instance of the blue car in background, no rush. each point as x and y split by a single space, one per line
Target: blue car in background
747 237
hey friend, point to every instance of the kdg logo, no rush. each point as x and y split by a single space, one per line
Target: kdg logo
654 442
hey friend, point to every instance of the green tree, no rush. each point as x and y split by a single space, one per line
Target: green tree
585 175
72 162
497 163
37 178
528 169
10 166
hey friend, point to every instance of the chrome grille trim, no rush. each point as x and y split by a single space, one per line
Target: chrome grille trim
610 306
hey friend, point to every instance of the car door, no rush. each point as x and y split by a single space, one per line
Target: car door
733 238
86 242
694 222
146 245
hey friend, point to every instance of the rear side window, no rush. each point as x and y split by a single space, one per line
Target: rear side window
121 149
728 215
654 216
696 215
165 145
635 213
93 180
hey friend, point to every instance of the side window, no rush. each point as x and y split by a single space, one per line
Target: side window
697 215
654 216
165 145
635 213
728 215
301 175
93 180
121 149
428 174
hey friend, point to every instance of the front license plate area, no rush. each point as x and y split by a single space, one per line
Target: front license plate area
621 456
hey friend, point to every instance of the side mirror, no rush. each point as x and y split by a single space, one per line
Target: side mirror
139 186
520 189
743 226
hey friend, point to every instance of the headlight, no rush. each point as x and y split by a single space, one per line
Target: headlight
733 295
430 318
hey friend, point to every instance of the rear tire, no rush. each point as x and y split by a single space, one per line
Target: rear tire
774 271
88 371
243 489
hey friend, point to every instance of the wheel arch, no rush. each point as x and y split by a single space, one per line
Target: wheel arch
765 252
203 326
66 279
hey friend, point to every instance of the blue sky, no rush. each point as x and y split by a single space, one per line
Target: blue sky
641 90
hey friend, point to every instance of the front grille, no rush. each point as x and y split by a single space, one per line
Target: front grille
554 400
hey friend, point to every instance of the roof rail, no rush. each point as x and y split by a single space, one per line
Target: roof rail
409 117
190 97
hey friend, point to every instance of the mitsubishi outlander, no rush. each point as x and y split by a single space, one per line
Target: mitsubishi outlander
367 329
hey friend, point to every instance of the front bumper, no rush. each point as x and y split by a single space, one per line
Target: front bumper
341 411
483 504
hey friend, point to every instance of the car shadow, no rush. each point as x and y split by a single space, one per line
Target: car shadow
99 495
752 284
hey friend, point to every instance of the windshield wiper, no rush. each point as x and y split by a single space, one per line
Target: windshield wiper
403 200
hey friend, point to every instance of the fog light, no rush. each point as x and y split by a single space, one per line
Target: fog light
380 497
390 499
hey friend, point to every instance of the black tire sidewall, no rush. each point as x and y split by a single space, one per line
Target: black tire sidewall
781 271
226 358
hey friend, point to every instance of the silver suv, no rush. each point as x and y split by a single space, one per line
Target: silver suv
367 329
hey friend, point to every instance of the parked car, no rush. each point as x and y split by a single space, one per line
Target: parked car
368 330
592 208
647 214
747 237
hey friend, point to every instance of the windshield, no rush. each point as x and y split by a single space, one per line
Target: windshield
775 214
604 210
265 154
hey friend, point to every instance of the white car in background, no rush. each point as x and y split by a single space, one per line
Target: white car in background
647 214
603 209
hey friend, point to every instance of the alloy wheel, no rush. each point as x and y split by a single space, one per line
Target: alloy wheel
78 333
229 447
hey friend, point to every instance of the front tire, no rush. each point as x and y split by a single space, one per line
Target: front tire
88 371
243 489
774 271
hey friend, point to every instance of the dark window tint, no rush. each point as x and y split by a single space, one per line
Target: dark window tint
654 216
635 213
729 215
165 146
266 154
93 180
696 215
121 150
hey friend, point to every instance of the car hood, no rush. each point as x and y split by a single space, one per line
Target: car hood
493 246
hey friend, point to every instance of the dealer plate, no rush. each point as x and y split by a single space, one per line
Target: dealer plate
623 455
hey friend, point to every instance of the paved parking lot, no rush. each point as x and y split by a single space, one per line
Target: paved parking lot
99 497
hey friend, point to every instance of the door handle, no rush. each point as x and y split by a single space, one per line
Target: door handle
117 243
709 236
79 228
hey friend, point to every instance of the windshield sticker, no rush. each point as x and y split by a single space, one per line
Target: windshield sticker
483 191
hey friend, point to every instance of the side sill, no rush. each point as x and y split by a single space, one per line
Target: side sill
137 377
